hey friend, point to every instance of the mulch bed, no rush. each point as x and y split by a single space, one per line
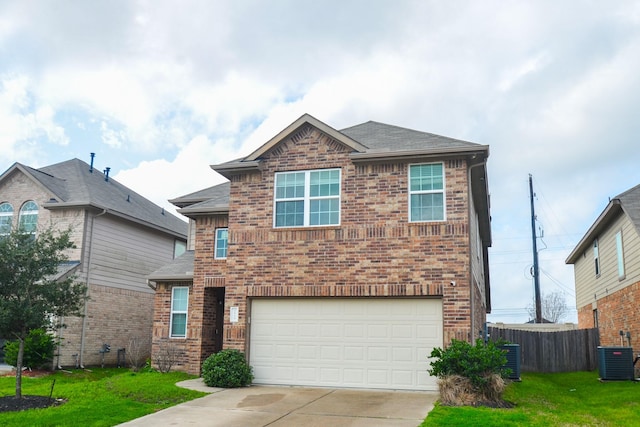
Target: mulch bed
11 403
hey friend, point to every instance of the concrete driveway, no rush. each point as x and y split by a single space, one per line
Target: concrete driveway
273 406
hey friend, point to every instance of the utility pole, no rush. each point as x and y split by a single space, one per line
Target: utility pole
536 268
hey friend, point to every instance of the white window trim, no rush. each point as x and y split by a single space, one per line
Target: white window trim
215 248
620 256
172 312
443 191
31 212
307 199
7 214
596 258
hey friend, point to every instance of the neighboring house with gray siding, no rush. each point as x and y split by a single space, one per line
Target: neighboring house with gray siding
120 237
607 271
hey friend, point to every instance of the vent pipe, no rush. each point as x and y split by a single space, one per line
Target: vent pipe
91 167
106 174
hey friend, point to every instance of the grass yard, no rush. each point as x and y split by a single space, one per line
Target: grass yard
567 399
97 397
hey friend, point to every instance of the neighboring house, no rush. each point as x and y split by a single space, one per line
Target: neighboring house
120 238
607 272
333 258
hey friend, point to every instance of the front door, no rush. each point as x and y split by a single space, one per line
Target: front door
219 324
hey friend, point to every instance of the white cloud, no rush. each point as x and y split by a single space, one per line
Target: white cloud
162 179
24 120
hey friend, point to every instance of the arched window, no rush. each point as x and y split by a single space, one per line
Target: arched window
6 218
28 217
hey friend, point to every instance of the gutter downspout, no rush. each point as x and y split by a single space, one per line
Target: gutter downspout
471 284
86 295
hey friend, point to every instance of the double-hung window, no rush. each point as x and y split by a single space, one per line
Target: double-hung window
307 198
426 192
179 304
222 236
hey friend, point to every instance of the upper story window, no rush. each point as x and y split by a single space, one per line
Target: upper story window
28 221
426 192
179 304
222 235
6 218
620 253
596 257
307 198
179 248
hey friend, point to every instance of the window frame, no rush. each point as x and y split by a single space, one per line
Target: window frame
620 256
173 312
216 244
307 199
442 191
6 214
596 257
29 213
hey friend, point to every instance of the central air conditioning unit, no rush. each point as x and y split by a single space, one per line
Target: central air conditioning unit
615 363
513 360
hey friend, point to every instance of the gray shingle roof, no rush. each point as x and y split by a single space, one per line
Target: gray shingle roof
630 201
218 192
382 137
72 184
179 269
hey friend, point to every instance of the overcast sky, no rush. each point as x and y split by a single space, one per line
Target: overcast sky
160 90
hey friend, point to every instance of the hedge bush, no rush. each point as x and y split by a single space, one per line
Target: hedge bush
475 362
39 347
228 369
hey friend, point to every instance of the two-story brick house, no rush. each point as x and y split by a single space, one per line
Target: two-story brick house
333 258
120 238
606 265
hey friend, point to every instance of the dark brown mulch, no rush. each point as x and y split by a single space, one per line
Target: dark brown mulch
11 403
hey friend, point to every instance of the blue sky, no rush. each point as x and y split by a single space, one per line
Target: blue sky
160 90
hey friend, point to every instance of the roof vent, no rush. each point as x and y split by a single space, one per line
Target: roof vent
162 211
93 155
106 174
128 198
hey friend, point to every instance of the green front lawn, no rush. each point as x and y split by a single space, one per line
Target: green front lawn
99 397
568 399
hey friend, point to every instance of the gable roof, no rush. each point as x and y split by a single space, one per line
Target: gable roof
73 185
369 141
627 203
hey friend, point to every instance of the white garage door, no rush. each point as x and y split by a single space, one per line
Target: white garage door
345 342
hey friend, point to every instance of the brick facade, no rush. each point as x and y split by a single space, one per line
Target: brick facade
616 312
114 317
374 252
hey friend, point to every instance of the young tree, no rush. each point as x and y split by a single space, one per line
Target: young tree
30 295
554 307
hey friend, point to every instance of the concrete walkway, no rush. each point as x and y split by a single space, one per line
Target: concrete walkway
273 406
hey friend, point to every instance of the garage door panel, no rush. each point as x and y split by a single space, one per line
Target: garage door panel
369 343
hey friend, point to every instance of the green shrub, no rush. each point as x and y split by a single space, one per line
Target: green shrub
38 350
475 362
228 369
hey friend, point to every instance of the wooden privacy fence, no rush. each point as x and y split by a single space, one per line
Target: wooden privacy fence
559 351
